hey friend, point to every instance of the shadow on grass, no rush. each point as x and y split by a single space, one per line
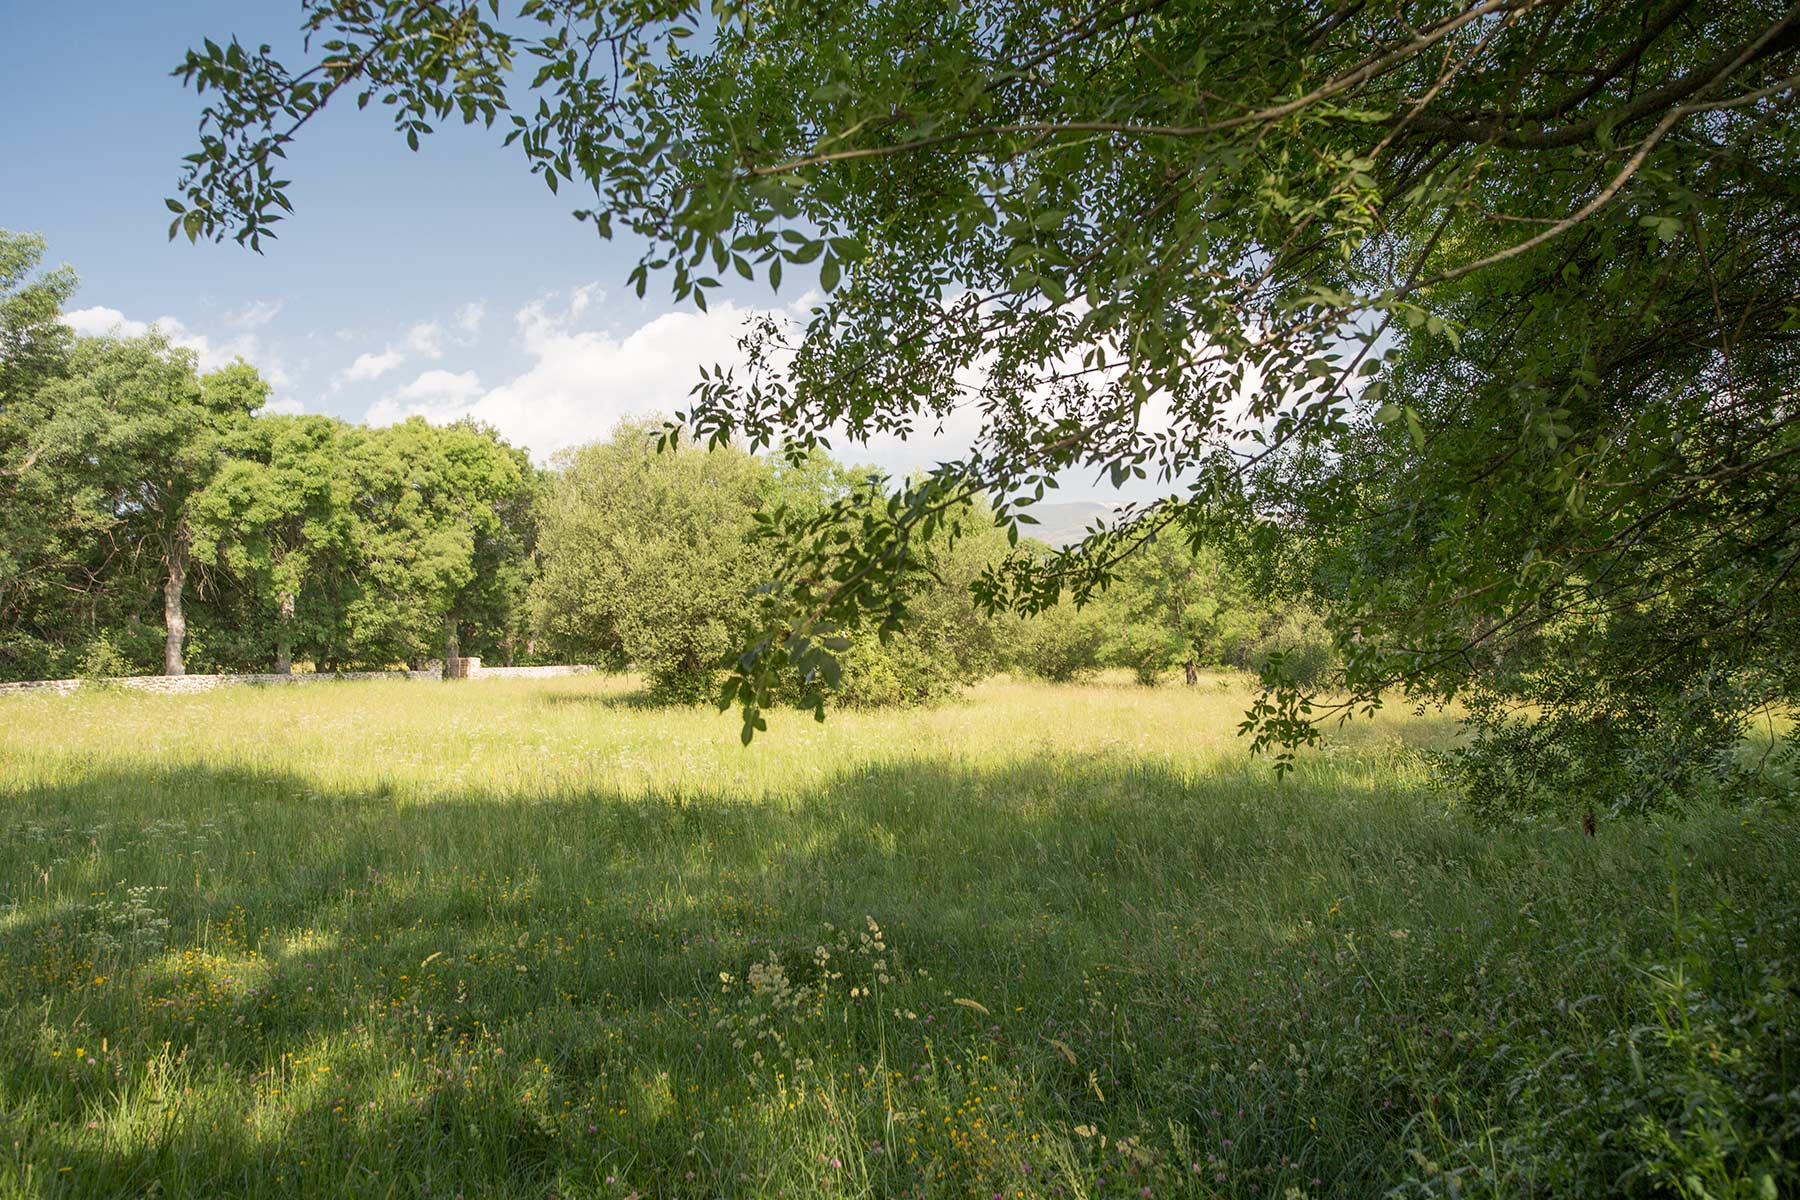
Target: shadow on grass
572 951
639 698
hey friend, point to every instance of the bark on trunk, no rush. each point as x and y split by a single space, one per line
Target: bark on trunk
1193 672
451 648
174 623
284 637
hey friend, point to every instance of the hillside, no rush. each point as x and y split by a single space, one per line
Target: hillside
1065 523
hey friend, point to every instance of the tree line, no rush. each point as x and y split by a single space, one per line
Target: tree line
156 520
659 557
159 519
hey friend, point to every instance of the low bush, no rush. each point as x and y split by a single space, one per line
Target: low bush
1060 644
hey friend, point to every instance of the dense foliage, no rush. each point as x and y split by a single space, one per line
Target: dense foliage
1482 311
1174 607
152 518
660 560
649 558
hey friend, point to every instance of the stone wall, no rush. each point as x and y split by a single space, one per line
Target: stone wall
173 685
487 672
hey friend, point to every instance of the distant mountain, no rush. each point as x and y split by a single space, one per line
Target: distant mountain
1066 523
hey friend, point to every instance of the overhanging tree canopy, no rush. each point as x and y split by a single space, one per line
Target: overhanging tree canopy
1482 314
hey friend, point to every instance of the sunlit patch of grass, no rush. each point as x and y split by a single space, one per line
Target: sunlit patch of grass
534 937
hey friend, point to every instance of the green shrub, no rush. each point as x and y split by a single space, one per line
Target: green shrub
25 656
1611 751
100 659
897 672
649 558
1297 647
1061 643
1147 650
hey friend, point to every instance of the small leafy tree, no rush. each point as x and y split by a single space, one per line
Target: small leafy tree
443 520
1062 643
650 558
658 559
128 437
1175 603
947 640
276 513
41 535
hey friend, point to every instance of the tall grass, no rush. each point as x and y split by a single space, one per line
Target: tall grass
534 938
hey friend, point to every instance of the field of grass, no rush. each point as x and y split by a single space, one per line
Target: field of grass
533 938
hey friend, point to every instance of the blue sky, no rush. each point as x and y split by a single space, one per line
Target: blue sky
444 282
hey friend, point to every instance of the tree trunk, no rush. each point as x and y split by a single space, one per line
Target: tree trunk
174 623
284 636
1193 672
452 649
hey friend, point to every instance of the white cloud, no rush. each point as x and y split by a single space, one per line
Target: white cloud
443 387
285 406
254 315
104 322
580 382
371 365
209 353
422 339
426 339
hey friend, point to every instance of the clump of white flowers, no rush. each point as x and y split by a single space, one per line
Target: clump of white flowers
774 995
129 925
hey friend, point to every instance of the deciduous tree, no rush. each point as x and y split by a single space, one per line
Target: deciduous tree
37 535
275 515
131 434
651 558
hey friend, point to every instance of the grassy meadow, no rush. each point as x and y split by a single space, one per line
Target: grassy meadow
538 939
